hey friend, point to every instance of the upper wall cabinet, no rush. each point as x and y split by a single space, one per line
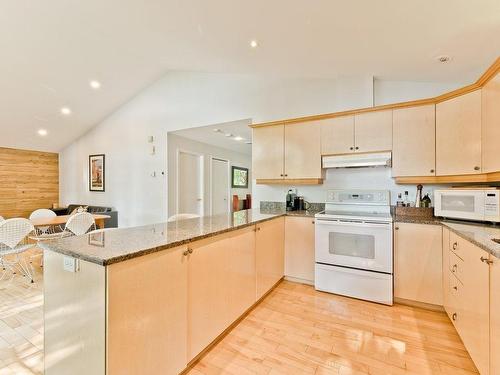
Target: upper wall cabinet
288 152
458 135
491 125
337 135
302 151
366 132
268 147
414 141
373 131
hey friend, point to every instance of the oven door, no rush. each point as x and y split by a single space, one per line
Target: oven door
460 204
354 244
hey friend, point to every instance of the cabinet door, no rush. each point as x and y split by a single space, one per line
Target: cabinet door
414 146
267 152
373 131
495 316
458 135
337 135
270 254
147 314
418 263
299 248
491 125
208 289
475 308
302 150
446 270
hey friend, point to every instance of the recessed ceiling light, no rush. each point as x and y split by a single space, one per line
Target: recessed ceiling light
254 43
443 59
217 130
248 142
238 138
66 111
96 85
228 135
42 132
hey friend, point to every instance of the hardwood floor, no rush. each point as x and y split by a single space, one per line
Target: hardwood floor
295 330
21 324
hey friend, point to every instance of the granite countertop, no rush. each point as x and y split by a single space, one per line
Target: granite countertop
301 213
117 245
480 234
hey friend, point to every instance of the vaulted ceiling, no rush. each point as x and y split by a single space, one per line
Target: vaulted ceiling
51 49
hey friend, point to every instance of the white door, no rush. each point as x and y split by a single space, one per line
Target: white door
220 186
190 183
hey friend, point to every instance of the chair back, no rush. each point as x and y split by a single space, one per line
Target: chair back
80 223
14 231
1 218
42 213
182 217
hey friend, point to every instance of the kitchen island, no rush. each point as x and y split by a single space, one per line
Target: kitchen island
152 299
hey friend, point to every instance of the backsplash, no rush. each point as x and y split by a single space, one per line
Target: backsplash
269 205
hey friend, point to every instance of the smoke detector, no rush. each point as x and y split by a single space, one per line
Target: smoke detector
443 59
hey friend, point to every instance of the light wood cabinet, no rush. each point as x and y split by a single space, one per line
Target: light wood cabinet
373 131
418 263
291 152
474 306
302 151
414 146
491 125
268 147
135 290
299 248
270 254
494 316
446 268
458 135
221 285
337 135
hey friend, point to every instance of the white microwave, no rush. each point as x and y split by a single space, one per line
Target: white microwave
469 204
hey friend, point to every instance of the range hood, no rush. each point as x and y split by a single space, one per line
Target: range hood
375 159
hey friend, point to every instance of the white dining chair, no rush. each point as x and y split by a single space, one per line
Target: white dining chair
79 224
1 218
14 235
42 233
182 217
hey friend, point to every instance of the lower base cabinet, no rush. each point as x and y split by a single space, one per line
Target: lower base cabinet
270 254
299 248
467 298
418 263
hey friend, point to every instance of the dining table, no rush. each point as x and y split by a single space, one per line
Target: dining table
63 219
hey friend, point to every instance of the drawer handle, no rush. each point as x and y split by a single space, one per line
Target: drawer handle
185 253
313 222
190 251
454 268
486 260
432 170
455 245
455 287
476 168
454 316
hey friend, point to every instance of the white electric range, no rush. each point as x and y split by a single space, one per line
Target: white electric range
353 251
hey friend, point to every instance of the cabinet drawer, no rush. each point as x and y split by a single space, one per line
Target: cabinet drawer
456 266
455 288
457 245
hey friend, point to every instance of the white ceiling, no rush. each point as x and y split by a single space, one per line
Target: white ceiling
51 49
215 135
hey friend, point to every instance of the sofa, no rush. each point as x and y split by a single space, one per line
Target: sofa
112 222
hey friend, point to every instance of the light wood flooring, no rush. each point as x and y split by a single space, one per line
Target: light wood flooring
295 330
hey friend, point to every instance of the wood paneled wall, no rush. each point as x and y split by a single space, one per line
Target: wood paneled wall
28 180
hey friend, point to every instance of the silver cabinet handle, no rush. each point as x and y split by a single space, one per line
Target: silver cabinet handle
476 168
432 170
313 221
357 148
190 251
351 148
185 253
455 245
486 260
397 228
455 287
454 268
454 316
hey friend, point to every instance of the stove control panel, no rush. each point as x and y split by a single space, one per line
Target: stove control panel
366 197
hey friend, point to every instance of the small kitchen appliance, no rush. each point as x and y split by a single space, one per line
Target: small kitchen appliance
353 248
479 204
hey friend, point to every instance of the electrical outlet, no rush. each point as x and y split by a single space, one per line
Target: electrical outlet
70 264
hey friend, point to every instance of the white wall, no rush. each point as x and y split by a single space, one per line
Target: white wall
176 142
188 99
181 100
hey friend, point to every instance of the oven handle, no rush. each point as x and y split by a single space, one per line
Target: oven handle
352 223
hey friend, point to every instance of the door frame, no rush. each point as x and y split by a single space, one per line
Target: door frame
202 178
212 158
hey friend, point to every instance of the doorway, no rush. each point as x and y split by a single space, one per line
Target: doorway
190 182
220 192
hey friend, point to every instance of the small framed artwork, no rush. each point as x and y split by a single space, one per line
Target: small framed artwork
96 172
239 177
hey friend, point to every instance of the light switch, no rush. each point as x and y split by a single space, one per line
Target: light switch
70 264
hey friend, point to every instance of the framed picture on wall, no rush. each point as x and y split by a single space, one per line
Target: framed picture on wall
239 177
96 172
